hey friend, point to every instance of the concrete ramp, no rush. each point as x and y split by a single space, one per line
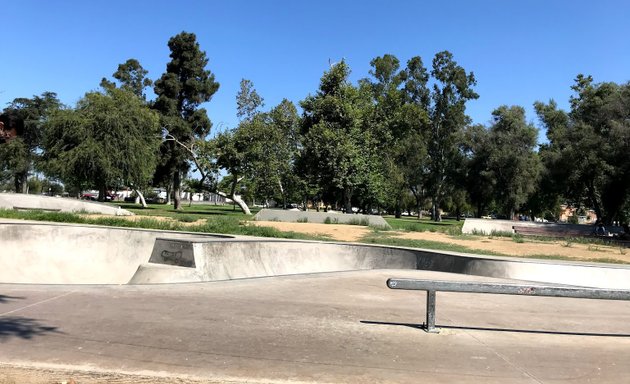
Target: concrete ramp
238 258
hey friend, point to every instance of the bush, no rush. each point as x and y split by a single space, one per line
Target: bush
356 221
328 220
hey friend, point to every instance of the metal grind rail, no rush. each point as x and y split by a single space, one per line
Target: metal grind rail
434 286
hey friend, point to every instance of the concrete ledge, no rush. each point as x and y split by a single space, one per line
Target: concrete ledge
48 253
320 217
488 226
20 201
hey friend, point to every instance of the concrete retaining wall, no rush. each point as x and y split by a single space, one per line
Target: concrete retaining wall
22 201
238 258
73 254
320 217
486 226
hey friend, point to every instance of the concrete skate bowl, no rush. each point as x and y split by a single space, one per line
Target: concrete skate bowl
76 254
40 253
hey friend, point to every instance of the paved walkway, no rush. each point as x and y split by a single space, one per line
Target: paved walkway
330 328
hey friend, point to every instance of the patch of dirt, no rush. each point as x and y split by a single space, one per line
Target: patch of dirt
339 232
503 245
16 374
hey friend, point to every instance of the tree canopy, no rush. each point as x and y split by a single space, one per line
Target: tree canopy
110 139
588 150
180 91
397 140
20 156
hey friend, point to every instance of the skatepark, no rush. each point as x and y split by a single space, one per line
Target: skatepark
100 304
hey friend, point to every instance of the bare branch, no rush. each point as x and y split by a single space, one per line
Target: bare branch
193 154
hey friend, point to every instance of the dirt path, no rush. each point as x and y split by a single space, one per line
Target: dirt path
503 245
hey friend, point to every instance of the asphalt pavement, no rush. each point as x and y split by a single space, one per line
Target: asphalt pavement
344 327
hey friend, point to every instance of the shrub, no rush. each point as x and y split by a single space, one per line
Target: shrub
328 220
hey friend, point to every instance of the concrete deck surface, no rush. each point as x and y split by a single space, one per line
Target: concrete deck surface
325 328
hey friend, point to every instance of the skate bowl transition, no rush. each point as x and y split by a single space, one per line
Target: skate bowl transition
43 253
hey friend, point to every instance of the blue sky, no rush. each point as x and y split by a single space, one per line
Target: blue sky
519 51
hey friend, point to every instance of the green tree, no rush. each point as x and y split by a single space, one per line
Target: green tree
414 158
132 77
110 139
229 150
19 156
447 115
180 91
382 125
277 153
512 160
238 150
248 101
398 119
333 138
479 180
588 151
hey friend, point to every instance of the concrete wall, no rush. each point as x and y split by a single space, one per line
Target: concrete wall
18 200
238 258
73 254
487 226
319 217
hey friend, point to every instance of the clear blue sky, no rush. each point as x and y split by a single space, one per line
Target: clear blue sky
520 51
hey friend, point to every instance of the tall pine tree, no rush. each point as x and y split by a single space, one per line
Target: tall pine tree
180 91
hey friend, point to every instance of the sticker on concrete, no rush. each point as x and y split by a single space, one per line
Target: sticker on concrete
173 252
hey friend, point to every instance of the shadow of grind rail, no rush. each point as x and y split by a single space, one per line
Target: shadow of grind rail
434 286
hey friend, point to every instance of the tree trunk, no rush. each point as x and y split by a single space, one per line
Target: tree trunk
169 189
418 194
21 184
435 210
141 197
397 210
102 190
238 200
284 197
347 195
595 202
177 182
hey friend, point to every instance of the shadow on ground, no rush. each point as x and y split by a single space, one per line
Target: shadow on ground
491 329
6 299
22 327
